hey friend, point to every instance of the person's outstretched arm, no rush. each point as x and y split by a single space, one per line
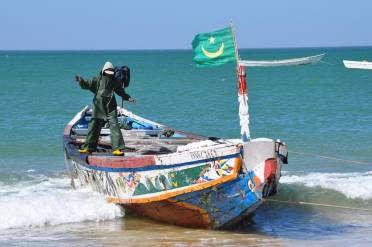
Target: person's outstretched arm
90 85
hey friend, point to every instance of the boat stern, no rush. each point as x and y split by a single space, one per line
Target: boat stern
265 158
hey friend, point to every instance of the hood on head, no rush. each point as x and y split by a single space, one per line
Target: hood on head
109 67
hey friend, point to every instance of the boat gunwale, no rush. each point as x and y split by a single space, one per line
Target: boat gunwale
157 167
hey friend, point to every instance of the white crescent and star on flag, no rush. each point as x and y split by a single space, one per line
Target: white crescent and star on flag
215 54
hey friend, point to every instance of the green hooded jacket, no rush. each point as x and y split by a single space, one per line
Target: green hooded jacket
104 101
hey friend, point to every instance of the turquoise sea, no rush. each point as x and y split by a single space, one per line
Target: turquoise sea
318 110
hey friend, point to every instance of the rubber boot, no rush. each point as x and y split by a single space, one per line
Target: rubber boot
117 152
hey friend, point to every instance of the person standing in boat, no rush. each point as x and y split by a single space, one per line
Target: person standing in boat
104 109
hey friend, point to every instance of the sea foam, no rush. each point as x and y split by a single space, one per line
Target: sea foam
51 201
352 185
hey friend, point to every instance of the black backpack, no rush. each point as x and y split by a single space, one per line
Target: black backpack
123 75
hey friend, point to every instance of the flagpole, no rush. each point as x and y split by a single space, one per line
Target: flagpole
235 46
242 93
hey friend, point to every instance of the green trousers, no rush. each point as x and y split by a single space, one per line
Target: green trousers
94 130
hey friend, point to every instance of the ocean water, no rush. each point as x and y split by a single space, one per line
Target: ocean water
323 109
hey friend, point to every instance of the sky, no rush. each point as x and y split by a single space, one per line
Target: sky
172 24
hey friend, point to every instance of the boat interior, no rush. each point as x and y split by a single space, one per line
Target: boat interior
141 136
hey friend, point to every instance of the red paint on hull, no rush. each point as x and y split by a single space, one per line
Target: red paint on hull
271 167
121 162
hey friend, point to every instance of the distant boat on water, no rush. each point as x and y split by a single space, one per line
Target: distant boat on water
282 62
357 64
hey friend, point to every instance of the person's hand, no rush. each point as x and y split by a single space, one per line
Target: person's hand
78 78
132 100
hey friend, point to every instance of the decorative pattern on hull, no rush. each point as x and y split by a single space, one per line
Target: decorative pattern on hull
213 207
155 185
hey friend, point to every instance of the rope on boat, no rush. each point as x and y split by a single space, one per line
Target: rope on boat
326 63
319 204
322 204
333 158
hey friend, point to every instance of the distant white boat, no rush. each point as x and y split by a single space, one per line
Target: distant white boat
357 64
282 62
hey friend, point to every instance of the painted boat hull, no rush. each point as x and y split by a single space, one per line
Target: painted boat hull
215 207
205 184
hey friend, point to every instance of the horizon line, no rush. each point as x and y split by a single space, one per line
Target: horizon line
190 49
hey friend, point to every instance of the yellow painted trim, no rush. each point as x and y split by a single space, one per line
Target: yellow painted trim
192 188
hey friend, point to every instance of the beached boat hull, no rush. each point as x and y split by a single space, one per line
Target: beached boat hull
214 207
206 183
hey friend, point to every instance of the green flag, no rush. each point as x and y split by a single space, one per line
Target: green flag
214 48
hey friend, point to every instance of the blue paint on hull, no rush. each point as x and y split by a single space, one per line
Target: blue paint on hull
227 202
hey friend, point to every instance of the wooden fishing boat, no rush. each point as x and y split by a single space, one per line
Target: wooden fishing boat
357 64
282 62
173 176
178 177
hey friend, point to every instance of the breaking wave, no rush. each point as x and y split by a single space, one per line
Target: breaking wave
42 200
352 185
51 201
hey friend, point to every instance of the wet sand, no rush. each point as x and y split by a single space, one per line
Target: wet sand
272 225
131 231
